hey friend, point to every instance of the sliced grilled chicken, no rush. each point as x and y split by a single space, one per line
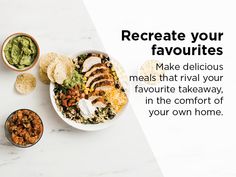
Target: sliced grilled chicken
105 88
98 99
92 98
103 82
98 93
99 105
97 68
99 102
90 62
98 77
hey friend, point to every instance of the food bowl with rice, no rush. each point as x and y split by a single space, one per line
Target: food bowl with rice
93 97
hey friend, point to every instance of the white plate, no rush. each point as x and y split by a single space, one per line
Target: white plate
91 127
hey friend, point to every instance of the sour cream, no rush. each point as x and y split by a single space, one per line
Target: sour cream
86 107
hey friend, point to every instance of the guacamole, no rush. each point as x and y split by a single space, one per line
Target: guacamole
76 79
20 51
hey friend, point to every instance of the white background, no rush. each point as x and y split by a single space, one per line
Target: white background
186 147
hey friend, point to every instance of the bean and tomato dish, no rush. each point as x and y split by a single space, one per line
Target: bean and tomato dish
24 127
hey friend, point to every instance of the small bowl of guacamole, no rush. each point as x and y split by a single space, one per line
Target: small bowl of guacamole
20 52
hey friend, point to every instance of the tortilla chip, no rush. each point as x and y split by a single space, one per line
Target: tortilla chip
149 68
43 76
69 65
25 83
45 60
55 68
60 73
51 68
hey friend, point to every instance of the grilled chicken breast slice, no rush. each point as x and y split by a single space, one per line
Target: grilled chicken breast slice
98 77
98 101
97 68
90 62
103 82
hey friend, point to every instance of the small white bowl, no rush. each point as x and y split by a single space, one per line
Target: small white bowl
87 127
4 57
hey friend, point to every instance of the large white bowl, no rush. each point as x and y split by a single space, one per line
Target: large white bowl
91 127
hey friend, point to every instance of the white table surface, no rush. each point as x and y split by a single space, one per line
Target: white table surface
119 151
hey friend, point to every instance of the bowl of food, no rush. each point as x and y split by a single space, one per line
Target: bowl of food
91 95
24 128
20 52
